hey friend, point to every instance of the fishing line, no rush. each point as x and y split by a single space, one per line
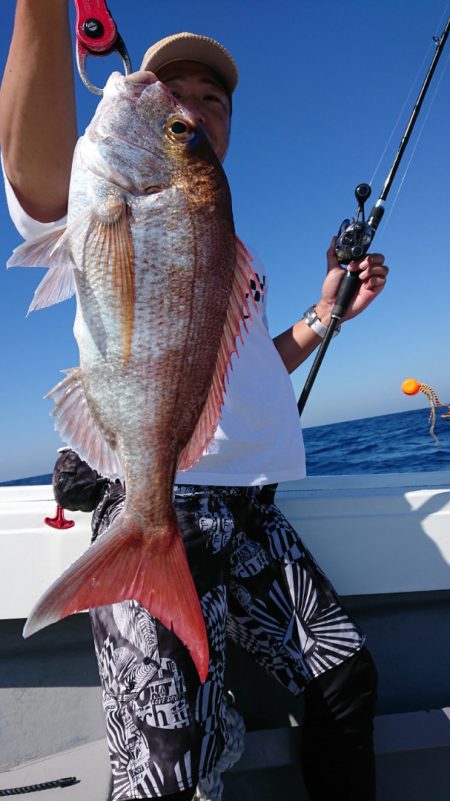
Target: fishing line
400 115
419 135
442 18
438 27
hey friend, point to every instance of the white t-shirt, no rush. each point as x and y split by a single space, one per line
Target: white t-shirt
258 440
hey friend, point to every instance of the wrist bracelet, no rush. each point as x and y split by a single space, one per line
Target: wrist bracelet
311 319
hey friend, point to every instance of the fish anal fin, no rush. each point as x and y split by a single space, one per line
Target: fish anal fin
124 564
78 427
241 307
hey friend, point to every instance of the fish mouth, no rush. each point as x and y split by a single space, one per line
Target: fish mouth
144 82
177 106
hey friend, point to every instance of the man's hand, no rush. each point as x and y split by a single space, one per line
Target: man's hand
296 343
76 486
372 278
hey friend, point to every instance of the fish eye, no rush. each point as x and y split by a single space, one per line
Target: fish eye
178 128
179 131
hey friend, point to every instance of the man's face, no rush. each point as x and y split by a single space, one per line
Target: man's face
197 87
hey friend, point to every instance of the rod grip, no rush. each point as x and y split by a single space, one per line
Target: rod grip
347 289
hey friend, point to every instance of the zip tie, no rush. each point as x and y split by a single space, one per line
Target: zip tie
35 788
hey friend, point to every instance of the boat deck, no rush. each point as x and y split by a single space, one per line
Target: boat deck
384 541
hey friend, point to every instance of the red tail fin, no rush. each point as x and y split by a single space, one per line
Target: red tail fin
123 565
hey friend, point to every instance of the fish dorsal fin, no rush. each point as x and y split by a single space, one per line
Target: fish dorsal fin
109 251
240 306
50 250
77 426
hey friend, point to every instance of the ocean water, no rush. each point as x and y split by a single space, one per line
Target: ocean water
390 443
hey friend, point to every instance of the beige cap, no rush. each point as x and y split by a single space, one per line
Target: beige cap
193 47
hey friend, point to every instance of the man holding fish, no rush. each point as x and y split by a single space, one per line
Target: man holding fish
164 291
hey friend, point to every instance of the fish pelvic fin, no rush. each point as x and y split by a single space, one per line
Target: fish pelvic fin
50 250
125 564
77 426
241 307
109 253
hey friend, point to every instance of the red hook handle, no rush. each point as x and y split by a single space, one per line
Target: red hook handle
59 521
95 27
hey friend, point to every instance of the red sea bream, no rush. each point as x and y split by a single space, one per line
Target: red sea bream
161 284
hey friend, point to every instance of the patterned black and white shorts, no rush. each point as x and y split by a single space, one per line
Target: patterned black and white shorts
257 584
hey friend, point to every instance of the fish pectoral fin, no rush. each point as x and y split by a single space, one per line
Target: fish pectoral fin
126 564
77 426
50 250
36 252
109 253
240 308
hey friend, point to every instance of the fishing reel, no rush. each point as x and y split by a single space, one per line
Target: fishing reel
354 237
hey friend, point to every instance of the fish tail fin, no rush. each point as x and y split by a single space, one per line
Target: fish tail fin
122 565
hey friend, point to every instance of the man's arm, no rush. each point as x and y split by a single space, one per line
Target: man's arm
296 343
37 108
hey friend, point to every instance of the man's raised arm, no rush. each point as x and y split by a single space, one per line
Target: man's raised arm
38 128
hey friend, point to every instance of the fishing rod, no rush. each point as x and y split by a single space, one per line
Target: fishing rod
355 236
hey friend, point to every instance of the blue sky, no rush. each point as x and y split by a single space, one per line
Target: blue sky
322 85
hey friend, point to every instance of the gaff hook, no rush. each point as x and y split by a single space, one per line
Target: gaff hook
97 35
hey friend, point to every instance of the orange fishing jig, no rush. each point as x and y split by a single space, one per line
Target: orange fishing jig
411 386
